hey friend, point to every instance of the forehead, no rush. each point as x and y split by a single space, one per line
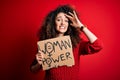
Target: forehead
61 14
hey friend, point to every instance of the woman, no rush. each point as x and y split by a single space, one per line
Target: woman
60 22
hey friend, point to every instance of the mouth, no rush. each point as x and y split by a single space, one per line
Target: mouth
62 27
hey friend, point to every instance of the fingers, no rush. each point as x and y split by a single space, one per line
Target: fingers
68 16
75 14
40 52
39 57
72 15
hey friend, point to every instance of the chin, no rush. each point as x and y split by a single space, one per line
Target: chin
62 31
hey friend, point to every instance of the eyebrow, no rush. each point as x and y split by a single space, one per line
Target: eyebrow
61 16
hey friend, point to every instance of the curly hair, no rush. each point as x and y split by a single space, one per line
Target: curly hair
48 30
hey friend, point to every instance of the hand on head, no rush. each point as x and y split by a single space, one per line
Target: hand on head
74 19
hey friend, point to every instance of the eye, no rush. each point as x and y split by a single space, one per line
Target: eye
66 20
57 19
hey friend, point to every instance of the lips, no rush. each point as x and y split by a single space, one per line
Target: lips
62 27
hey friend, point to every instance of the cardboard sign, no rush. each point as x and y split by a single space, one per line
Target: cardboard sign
56 52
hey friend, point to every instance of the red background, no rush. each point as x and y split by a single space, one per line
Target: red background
20 21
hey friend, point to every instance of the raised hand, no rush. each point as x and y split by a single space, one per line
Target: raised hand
74 19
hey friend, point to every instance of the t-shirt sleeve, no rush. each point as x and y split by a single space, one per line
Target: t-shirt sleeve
89 48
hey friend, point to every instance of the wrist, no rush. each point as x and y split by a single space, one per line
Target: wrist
82 27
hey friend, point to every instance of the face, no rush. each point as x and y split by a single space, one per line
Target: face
61 22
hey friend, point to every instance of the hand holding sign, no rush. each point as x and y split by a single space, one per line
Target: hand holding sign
39 57
56 52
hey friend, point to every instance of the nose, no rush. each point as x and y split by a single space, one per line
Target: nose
62 22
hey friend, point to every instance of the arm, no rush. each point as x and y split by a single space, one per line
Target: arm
77 24
89 48
86 47
92 38
35 67
37 63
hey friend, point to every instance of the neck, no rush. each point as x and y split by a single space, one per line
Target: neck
59 35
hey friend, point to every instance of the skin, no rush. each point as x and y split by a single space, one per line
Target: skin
61 23
62 26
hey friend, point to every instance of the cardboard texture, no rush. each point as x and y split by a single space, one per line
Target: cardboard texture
56 52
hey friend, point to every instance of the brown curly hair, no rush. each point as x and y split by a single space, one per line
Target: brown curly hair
48 30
